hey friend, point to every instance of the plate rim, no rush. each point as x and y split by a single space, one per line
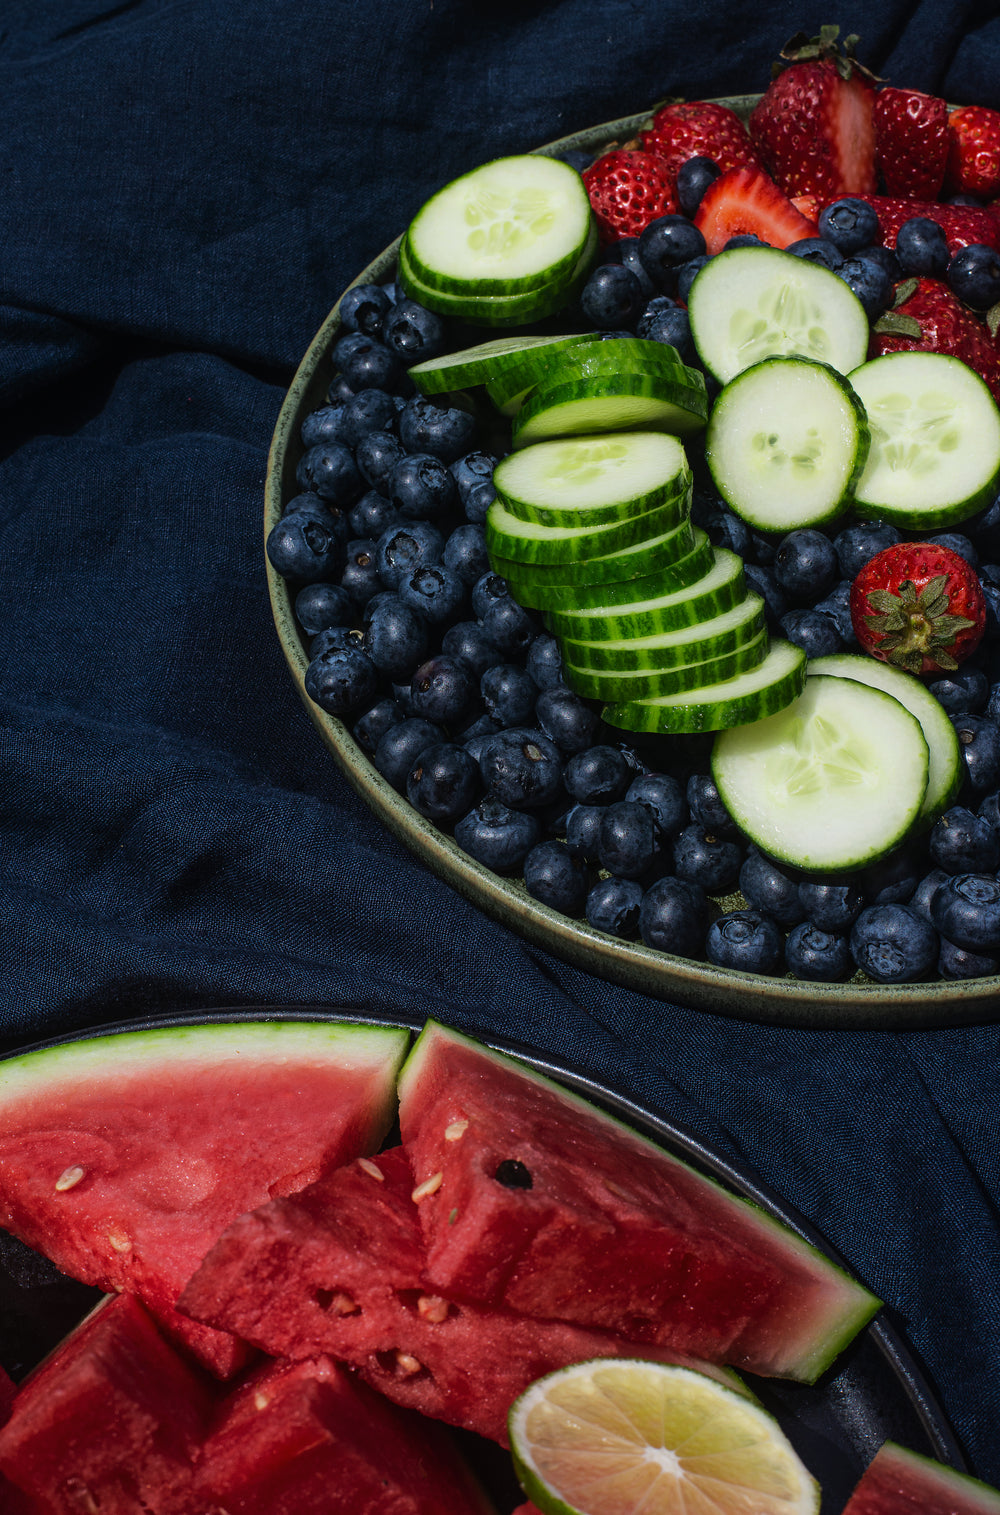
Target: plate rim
762 998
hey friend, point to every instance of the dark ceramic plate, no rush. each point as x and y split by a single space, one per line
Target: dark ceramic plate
747 996
875 1392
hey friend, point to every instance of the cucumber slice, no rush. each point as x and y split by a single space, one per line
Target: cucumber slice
946 769
786 443
752 303
935 453
614 355
749 697
722 633
589 481
693 563
829 784
488 360
509 226
527 542
671 561
717 591
673 401
647 683
498 310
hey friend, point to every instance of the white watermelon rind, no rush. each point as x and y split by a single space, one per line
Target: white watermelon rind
851 1305
964 1494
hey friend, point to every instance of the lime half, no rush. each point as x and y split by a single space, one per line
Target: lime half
625 1436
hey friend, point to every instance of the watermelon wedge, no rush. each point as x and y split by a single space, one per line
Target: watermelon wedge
340 1268
124 1157
900 1482
534 1201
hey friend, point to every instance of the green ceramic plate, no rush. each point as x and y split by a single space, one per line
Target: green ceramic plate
744 996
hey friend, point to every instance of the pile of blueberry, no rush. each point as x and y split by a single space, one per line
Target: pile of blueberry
456 695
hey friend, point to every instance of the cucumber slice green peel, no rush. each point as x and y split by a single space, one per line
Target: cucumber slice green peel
518 308
605 627
752 303
786 443
830 783
622 685
750 697
613 355
489 360
673 560
527 542
721 633
591 480
935 453
673 401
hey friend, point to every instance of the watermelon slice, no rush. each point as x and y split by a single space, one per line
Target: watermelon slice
534 1201
305 1439
124 1157
111 1414
340 1268
900 1482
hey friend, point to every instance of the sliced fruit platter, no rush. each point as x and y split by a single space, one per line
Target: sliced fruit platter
373 1300
631 528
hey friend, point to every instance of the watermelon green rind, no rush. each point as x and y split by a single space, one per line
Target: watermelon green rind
841 1306
901 1482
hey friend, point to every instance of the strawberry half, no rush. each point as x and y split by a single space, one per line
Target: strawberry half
918 606
627 190
962 224
746 200
911 142
927 317
814 125
698 128
974 158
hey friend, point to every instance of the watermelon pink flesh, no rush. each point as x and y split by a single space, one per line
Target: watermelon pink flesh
306 1439
537 1202
122 1158
339 1268
111 1415
900 1482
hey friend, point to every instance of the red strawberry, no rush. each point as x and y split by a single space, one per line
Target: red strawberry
974 159
934 320
814 127
698 128
962 223
628 190
919 607
746 200
911 142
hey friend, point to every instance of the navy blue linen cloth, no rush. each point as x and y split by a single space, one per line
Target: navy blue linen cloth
186 186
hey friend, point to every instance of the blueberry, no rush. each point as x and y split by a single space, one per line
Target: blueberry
443 782
401 549
816 955
706 806
922 248
673 329
885 258
891 879
360 575
725 529
850 224
989 808
376 455
487 591
829 905
598 775
966 690
613 906
371 515
966 910
442 689
956 962
693 178
818 250
979 741
318 606
367 411
436 591
628 842
465 553
672 917
686 275
962 842
813 630
806 564
322 425
701 857
554 877
544 661
583 831
893 944
412 332
371 365
401 745
568 720
958 542
473 475
974 276
329 470
363 309
497 836
664 799
521 766
771 889
744 239
626 252
510 626
305 546
921 898
396 637
443 426
856 545
422 488
665 244
762 581
371 726
837 605
509 694
336 639
341 681
612 296
744 940
870 282
468 640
